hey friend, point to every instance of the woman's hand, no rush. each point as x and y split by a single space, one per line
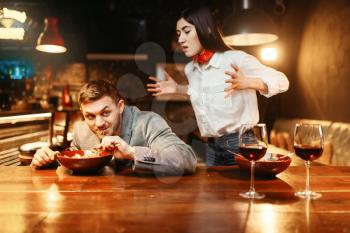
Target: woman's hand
161 87
240 82
121 149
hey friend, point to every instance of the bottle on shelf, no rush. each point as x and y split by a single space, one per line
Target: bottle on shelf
66 97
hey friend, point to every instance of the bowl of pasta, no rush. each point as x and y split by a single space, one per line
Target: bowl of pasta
84 160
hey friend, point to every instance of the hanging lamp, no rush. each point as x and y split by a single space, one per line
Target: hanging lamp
50 40
249 26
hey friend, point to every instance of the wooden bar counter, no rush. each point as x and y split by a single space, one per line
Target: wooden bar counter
54 200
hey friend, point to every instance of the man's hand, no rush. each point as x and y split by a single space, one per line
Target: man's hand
43 156
121 150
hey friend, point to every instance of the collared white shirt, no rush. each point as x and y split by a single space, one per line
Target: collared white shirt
217 115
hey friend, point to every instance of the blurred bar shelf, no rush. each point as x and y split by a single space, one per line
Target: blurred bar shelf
20 127
12 119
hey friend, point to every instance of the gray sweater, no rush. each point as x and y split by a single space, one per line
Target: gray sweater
157 148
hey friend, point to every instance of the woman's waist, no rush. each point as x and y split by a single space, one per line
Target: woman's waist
224 137
216 128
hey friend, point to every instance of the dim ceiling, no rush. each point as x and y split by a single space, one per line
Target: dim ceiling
113 26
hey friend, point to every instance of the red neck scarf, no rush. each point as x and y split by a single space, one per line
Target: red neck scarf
203 57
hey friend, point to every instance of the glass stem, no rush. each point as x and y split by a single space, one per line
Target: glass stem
252 165
307 164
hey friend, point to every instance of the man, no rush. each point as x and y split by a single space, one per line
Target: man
134 135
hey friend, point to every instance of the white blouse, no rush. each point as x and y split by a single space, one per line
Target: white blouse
217 115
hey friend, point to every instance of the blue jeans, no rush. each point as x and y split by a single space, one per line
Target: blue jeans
217 153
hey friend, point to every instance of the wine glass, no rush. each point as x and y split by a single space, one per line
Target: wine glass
253 146
308 145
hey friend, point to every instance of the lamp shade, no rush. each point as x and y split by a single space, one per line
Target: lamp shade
249 27
50 40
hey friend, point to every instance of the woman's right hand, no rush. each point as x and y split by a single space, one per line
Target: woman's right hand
43 156
161 87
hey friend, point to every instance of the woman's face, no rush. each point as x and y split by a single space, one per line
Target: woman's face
188 38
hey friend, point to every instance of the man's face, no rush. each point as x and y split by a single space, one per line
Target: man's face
103 116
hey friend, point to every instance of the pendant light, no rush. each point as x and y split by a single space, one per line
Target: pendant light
248 26
50 40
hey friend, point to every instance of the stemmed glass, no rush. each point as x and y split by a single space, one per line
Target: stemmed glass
308 145
253 146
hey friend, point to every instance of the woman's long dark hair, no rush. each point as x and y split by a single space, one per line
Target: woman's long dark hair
207 30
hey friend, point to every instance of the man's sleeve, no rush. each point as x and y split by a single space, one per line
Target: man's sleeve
165 153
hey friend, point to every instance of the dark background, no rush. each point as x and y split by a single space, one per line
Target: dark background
314 44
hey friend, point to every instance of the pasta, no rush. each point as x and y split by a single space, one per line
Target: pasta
93 153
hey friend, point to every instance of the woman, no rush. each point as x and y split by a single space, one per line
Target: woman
222 84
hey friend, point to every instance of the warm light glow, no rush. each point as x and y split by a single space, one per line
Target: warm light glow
269 220
13 14
269 54
51 48
12 33
7 23
8 19
53 198
249 39
53 193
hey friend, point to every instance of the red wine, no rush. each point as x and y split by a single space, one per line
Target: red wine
308 152
253 152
